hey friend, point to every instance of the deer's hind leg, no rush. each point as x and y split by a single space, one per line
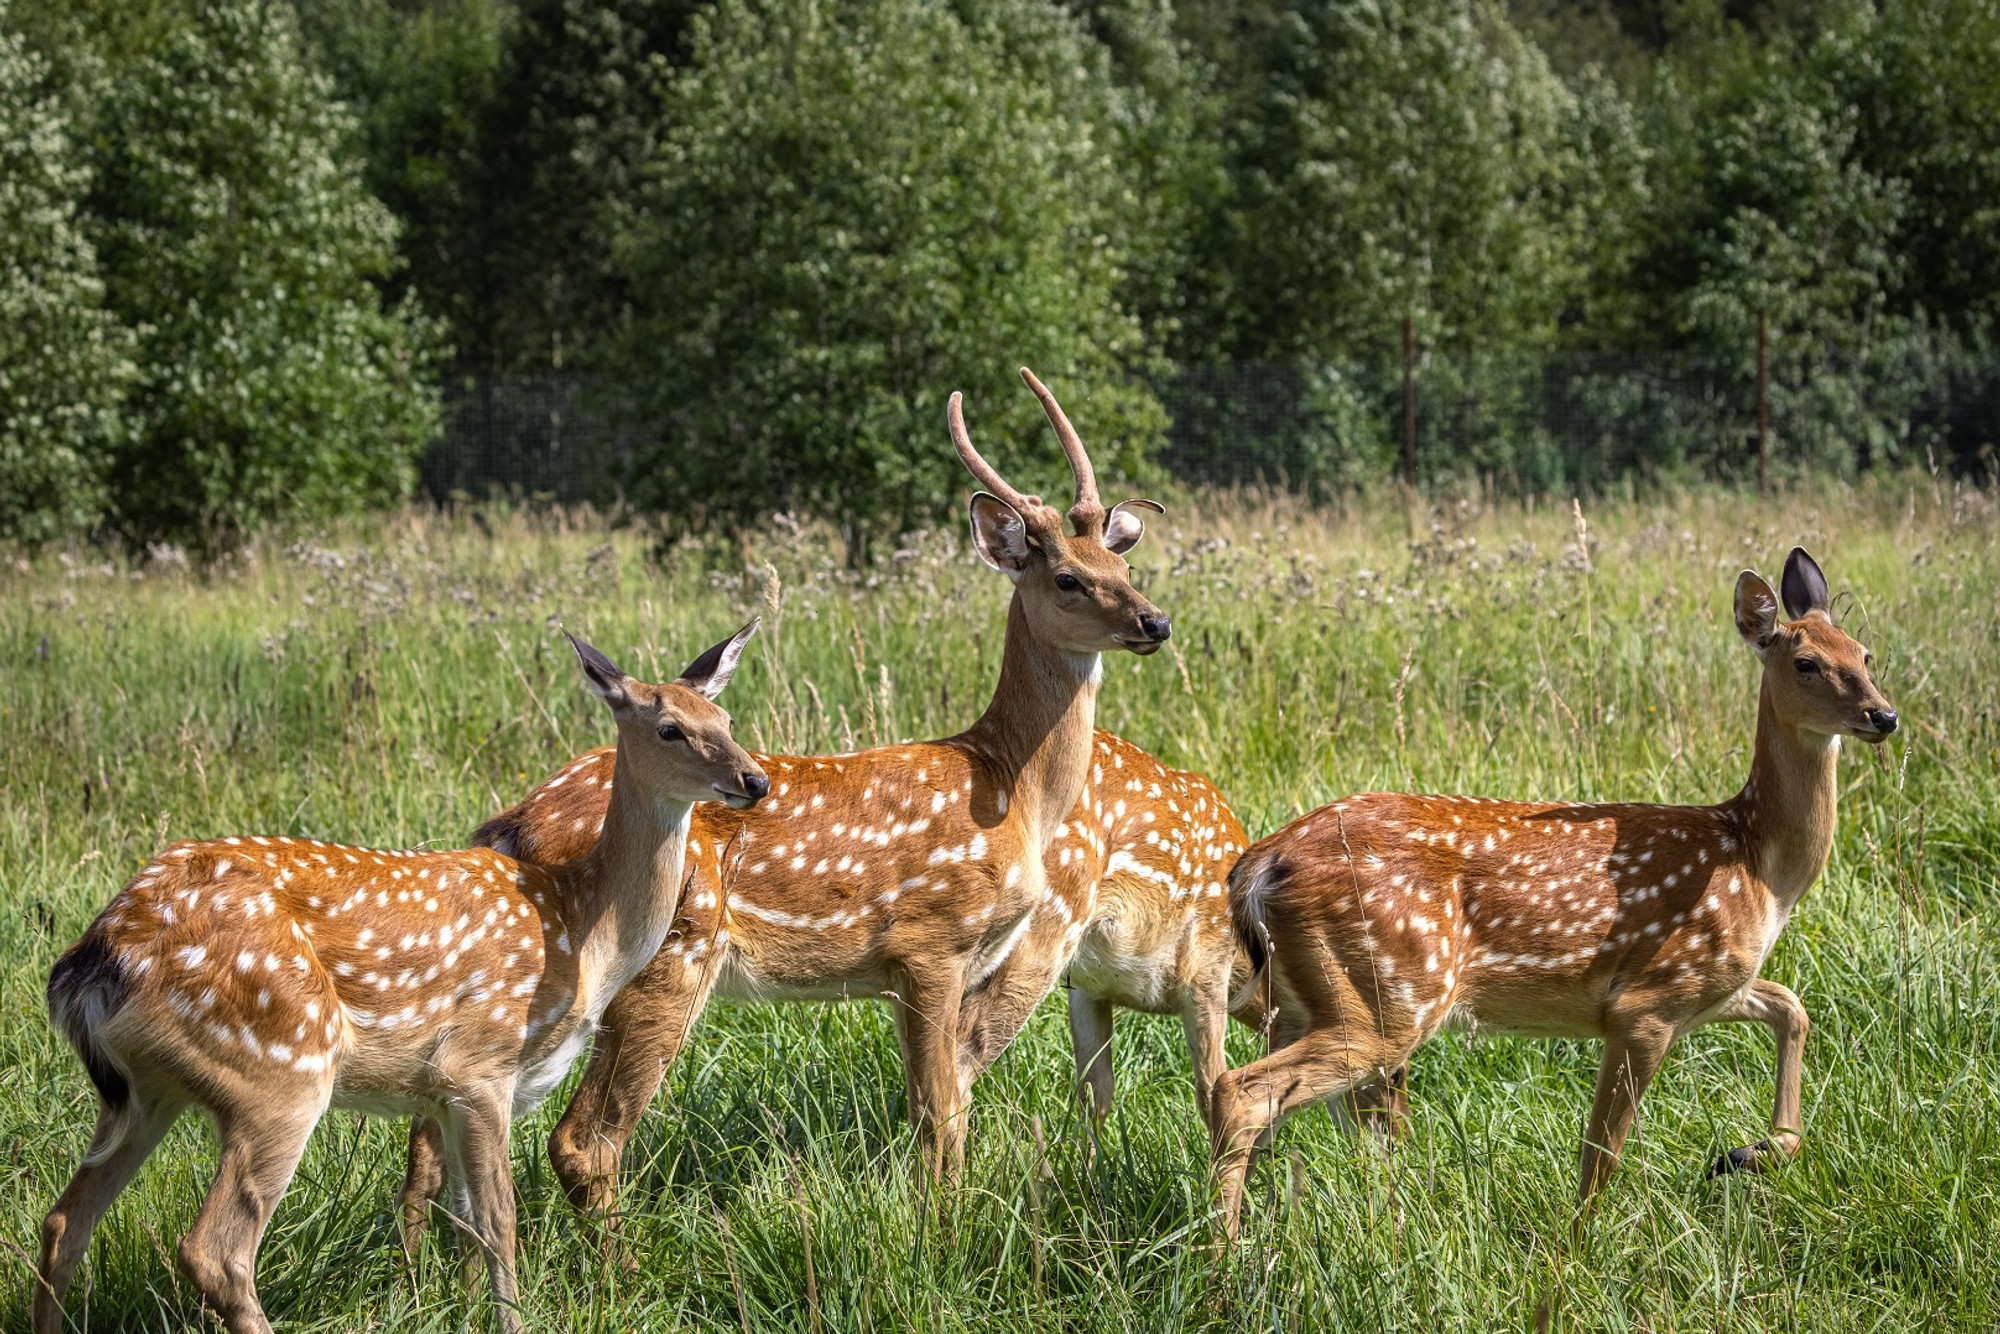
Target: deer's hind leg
423 1178
475 1135
123 1140
1255 1099
263 1138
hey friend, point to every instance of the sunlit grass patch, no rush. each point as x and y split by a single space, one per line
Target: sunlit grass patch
395 683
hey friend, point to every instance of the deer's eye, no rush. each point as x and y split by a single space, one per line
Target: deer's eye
1068 582
1868 660
672 733
1807 666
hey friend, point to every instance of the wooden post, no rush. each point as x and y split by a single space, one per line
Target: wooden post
1763 400
1410 401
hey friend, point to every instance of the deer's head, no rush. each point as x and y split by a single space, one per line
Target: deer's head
674 743
1816 674
1075 587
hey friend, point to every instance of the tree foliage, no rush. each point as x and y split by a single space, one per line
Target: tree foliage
858 206
421 82
1415 157
238 241
64 361
782 233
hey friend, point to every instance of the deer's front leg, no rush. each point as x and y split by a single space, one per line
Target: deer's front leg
1632 1056
991 1017
1779 1010
644 1028
1381 1106
1090 1028
927 1019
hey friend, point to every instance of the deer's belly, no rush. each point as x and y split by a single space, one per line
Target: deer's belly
741 980
1523 1013
386 1101
1136 969
1517 1023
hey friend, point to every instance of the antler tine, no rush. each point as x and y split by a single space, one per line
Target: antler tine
1087 509
980 468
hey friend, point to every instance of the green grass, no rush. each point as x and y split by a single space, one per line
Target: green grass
395 683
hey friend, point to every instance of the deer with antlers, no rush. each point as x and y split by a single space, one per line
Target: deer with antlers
1141 862
265 980
911 873
1383 918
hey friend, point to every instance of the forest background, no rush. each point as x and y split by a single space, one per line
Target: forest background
257 257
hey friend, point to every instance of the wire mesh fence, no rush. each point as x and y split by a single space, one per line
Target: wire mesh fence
1571 424
554 437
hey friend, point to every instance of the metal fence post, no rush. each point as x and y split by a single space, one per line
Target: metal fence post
1763 399
1410 401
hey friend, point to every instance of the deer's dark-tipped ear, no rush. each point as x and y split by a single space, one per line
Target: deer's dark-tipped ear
1123 528
1756 612
1804 585
709 673
999 534
599 672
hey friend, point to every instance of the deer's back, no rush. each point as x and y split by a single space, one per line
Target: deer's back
1134 879
393 972
1526 917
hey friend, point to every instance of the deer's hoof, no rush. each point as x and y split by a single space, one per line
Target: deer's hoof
1748 1159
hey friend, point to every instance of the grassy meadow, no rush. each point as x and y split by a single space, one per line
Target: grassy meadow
394 683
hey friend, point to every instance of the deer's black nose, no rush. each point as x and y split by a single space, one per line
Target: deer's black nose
756 786
1883 720
1156 626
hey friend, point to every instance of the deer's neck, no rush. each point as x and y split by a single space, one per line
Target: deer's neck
1037 731
625 892
1787 807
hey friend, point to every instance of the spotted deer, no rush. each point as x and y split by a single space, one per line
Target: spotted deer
1141 859
1383 918
265 980
910 873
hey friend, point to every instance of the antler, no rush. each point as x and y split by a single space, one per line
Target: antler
1087 513
984 471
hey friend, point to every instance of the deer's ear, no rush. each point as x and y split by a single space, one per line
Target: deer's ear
1756 612
599 673
999 534
1123 528
709 673
1804 585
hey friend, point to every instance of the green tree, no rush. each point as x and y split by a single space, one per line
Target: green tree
1924 79
1764 204
63 359
573 119
857 207
236 236
421 82
1416 157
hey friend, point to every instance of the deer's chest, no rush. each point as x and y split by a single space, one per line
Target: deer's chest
550 1053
